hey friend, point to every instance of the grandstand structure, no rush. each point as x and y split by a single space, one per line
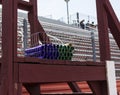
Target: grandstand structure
81 39
91 70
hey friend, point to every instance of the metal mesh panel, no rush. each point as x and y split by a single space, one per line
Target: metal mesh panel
82 45
80 39
115 51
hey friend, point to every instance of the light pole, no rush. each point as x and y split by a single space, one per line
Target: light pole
67 10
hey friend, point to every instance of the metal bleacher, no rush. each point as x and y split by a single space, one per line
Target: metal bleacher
79 38
85 62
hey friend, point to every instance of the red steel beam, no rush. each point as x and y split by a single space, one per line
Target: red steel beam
33 89
74 86
103 31
34 60
25 5
14 48
35 27
59 73
98 87
113 22
35 24
7 85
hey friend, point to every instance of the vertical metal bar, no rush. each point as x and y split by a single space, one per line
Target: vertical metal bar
100 87
7 47
14 57
34 23
15 28
19 89
35 26
67 12
93 46
32 17
103 31
78 22
25 38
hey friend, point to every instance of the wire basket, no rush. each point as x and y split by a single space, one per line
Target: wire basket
45 50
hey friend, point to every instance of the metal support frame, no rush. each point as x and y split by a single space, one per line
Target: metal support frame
25 38
103 31
13 74
93 45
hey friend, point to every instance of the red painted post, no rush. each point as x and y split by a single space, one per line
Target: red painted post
7 84
103 31
100 88
34 23
32 17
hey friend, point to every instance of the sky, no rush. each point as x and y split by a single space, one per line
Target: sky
56 9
